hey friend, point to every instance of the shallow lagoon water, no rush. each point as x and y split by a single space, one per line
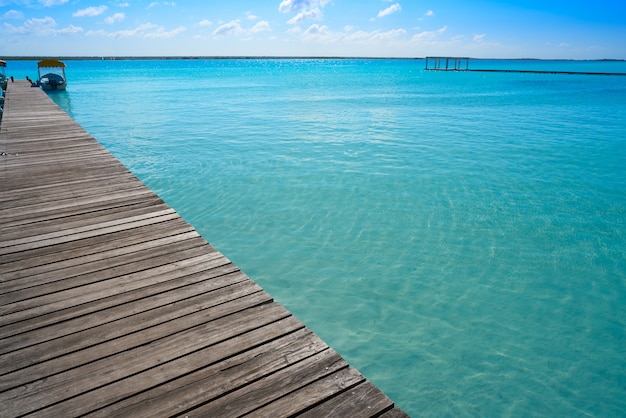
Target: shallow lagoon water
457 237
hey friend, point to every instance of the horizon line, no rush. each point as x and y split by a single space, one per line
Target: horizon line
243 57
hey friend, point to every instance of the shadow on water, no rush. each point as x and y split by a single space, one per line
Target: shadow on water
63 99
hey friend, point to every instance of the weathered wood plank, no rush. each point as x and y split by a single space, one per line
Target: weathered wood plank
28 197
73 276
57 324
200 376
71 249
29 243
315 392
67 206
40 274
77 221
62 386
79 333
134 334
395 413
49 215
106 283
274 386
363 400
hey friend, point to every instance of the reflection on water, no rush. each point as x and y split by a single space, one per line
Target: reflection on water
63 99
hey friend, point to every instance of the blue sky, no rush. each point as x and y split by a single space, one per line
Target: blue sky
377 28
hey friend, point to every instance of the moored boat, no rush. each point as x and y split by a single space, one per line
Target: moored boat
3 76
52 75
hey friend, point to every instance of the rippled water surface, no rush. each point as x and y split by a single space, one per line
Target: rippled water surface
459 238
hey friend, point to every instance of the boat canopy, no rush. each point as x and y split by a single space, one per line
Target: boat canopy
50 63
3 63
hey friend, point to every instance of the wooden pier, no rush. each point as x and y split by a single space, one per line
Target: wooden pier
447 63
462 64
112 305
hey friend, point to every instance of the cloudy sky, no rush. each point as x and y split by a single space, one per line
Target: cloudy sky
399 28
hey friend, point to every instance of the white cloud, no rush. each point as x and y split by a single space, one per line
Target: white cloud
262 26
139 31
157 3
315 14
320 33
429 13
70 30
36 26
288 6
90 11
52 3
389 10
316 32
117 17
146 30
479 37
251 16
205 23
376 36
234 28
231 28
13 14
42 27
161 33
429 35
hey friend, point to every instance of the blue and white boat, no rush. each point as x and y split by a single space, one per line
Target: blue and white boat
3 76
52 75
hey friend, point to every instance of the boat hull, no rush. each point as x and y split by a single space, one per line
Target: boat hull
52 81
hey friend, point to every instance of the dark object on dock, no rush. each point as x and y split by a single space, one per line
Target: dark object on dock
462 64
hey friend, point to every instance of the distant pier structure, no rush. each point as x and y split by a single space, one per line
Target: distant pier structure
462 64
447 63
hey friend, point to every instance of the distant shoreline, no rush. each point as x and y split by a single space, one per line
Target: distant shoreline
148 58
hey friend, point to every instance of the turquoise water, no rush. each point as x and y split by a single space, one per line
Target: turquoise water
459 238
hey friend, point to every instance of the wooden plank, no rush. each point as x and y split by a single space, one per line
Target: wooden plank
29 197
395 413
77 221
54 325
134 334
317 391
29 243
363 400
40 274
67 206
79 333
62 386
167 250
90 227
152 281
200 376
127 277
50 215
85 246
270 388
